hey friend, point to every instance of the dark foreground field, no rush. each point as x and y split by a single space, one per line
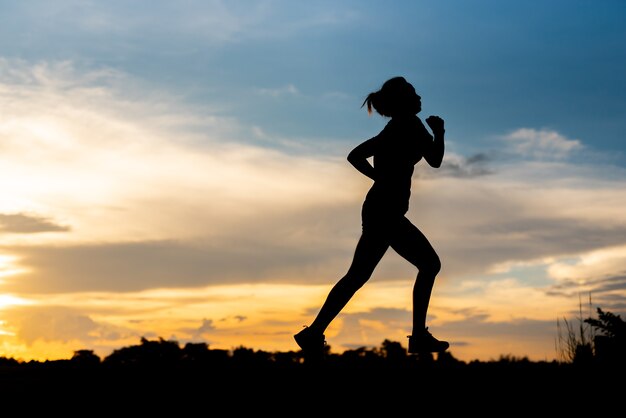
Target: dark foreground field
359 383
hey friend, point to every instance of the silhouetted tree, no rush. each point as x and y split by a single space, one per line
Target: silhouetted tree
288 358
8 362
393 352
361 356
148 353
248 357
392 349
85 358
446 359
195 352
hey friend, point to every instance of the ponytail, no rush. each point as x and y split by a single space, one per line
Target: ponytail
369 100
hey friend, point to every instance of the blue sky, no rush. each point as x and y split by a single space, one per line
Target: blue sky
154 145
490 66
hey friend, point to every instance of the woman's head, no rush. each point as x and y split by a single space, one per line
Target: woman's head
395 97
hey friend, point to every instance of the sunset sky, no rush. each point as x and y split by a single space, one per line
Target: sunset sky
178 170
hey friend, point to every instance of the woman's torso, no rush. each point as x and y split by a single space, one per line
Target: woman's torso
399 149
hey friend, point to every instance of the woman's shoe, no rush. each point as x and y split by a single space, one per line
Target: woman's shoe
426 343
311 342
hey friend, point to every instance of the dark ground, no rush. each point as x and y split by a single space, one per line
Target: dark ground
326 389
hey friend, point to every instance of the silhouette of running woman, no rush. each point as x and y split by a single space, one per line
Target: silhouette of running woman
395 151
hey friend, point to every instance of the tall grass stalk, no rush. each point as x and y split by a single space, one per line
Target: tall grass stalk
573 346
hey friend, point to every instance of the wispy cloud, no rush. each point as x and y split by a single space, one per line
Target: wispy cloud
542 143
28 224
456 165
288 89
212 22
601 262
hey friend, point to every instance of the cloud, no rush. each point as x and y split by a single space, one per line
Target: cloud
124 267
151 201
48 331
542 143
52 324
459 166
599 273
288 89
259 313
602 262
28 224
158 194
107 156
218 21
212 23
205 329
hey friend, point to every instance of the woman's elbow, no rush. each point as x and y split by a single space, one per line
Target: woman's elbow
353 157
434 160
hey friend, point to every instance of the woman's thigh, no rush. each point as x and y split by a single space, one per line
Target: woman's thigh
368 253
410 243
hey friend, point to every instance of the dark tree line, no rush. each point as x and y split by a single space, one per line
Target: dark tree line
607 348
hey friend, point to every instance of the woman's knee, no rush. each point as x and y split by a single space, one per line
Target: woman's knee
431 266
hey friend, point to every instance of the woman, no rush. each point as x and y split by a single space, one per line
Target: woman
395 150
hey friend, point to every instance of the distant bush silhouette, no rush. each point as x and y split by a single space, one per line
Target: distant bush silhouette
610 345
